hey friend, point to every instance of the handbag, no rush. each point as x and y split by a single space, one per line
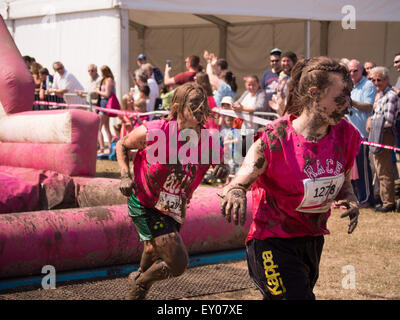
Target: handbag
112 103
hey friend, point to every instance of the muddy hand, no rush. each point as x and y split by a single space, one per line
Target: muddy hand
233 204
126 185
352 212
221 171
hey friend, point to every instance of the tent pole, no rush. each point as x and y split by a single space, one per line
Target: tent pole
323 41
307 32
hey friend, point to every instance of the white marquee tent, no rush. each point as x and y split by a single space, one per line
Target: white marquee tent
114 32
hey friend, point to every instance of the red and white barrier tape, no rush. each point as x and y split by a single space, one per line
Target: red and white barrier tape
368 143
59 104
118 112
246 117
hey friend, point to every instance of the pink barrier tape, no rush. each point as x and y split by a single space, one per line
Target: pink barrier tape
59 104
119 112
223 112
368 143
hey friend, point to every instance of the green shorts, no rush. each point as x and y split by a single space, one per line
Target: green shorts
149 222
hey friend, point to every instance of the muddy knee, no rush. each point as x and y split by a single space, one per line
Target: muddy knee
178 268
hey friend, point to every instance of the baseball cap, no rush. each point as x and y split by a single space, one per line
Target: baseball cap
141 57
227 100
275 51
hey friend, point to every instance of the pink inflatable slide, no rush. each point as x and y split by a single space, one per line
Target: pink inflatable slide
52 210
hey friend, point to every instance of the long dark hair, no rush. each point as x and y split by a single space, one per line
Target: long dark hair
230 79
308 73
203 80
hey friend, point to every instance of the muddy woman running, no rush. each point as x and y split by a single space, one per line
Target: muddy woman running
297 167
159 191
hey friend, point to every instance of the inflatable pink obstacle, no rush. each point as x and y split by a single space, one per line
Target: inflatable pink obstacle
16 82
64 141
91 237
43 158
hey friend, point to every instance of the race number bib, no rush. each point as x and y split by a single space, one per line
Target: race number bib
319 193
171 204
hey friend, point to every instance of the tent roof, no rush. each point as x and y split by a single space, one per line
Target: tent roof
229 11
170 19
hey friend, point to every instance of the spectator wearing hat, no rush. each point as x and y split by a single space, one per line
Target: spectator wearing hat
226 103
156 72
141 59
270 78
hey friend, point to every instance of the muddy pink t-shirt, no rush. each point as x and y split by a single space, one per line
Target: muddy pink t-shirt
168 170
292 198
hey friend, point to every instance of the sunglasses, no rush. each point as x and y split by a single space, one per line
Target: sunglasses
376 80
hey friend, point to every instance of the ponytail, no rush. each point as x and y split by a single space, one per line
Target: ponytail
292 102
231 80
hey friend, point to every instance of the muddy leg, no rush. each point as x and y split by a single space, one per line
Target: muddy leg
172 262
149 255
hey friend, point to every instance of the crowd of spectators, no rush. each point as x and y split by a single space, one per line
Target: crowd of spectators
374 111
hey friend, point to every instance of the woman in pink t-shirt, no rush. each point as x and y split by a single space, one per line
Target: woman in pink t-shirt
164 181
298 166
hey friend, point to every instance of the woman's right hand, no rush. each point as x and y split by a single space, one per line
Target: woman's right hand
126 186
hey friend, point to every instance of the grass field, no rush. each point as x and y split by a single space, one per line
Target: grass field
362 266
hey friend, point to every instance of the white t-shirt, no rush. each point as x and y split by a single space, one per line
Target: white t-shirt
154 93
248 127
66 81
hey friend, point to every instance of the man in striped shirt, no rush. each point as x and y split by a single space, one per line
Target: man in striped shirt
381 124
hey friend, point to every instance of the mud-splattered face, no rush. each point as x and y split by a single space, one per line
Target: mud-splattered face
332 106
194 111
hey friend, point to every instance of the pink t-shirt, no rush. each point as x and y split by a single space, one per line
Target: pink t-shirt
167 174
292 198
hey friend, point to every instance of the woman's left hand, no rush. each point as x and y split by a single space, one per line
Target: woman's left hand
234 204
